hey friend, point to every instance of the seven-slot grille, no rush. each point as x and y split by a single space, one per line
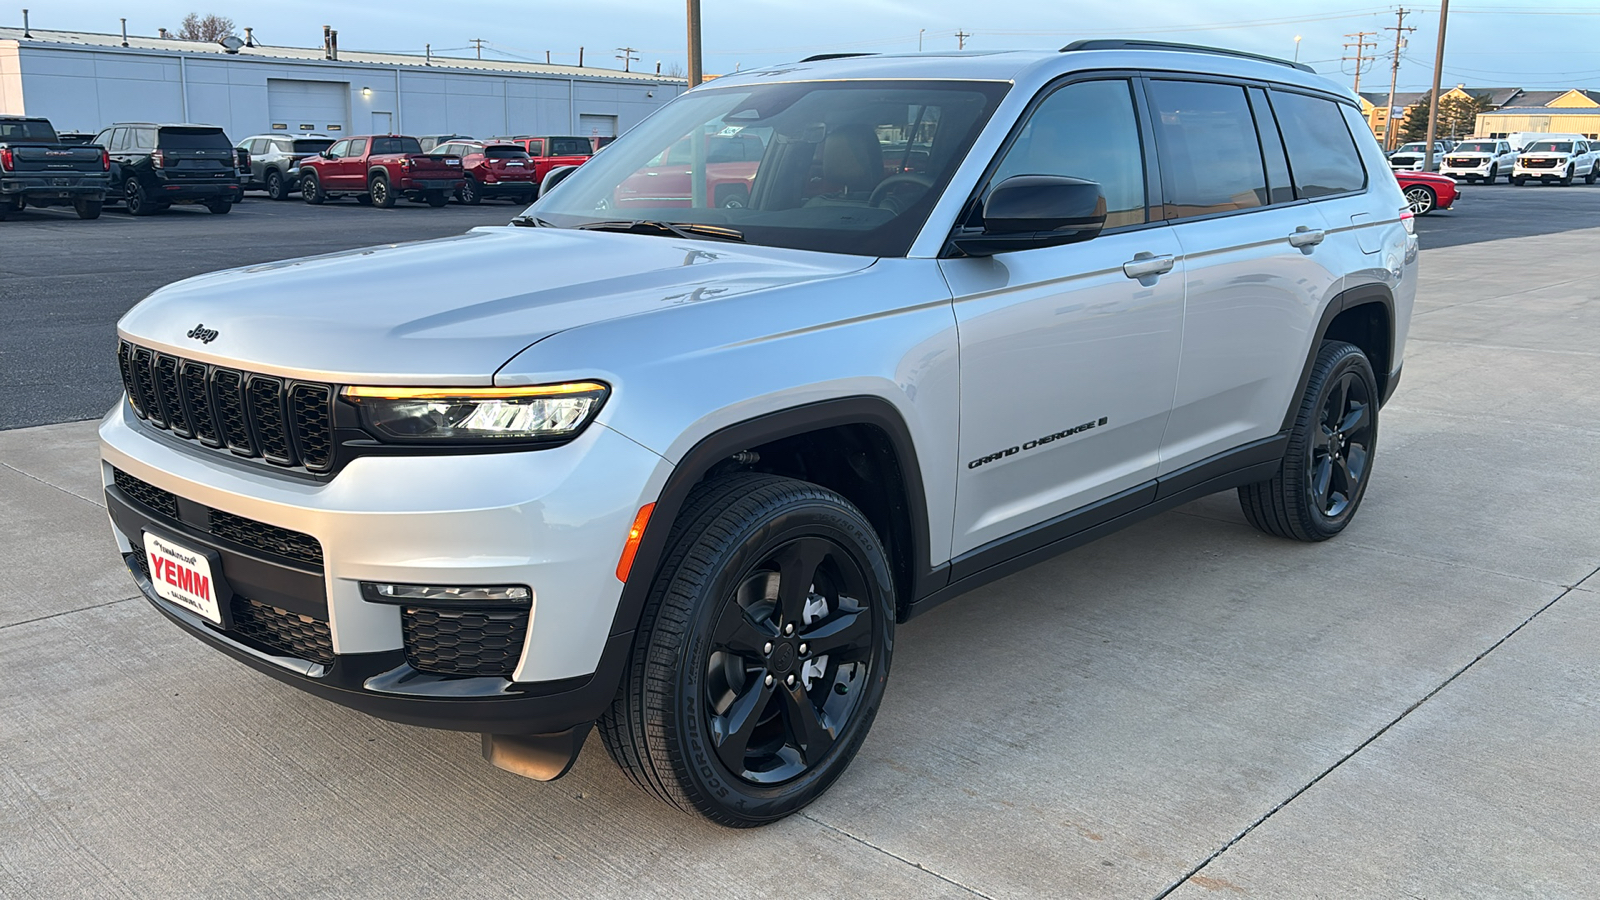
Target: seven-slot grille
257 416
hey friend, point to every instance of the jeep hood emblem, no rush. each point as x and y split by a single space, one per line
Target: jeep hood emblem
202 334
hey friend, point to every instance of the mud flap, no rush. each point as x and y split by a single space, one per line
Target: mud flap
542 757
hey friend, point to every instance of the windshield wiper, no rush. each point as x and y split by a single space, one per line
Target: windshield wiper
689 230
532 222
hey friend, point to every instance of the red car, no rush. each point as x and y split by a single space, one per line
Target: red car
731 162
552 152
1427 192
377 169
491 170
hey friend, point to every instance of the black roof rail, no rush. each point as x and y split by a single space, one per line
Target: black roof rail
822 56
1119 44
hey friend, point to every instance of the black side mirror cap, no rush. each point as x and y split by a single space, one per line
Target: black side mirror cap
554 177
1029 211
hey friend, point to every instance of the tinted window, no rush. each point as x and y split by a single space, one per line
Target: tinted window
536 148
145 139
1322 153
1086 130
1210 157
26 130
311 146
505 153
1279 185
394 145
119 139
190 139
566 146
1476 147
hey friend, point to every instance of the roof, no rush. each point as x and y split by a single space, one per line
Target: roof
1536 98
97 41
1401 98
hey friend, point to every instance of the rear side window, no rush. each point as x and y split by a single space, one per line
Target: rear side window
1210 156
1322 153
358 146
570 147
194 139
1086 130
506 153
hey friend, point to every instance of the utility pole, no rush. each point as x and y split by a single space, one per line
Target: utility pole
694 42
919 39
1400 29
1433 102
626 55
479 42
1361 44
961 40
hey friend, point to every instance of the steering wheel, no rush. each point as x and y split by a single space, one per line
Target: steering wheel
889 184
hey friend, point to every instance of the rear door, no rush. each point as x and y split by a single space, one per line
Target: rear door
1069 354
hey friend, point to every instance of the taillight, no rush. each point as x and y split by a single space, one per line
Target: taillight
6 160
1408 220
158 159
405 162
105 159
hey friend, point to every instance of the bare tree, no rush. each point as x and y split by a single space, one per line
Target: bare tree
675 69
205 28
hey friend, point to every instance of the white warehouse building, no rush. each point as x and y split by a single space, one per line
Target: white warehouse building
83 82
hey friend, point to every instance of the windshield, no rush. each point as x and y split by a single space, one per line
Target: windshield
1412 148
570 146
194 139
1548 147
843 167
27 130
382 145
1475 147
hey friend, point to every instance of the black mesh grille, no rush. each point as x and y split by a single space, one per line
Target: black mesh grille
271 538
463 642
192 384
310 410
166 379
281 631
145 493
284 423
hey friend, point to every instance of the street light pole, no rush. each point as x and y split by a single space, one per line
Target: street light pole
919 39
694 42
1433 102
1297 48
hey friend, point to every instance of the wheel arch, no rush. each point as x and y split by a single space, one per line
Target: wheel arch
859 446
1363 316
376 172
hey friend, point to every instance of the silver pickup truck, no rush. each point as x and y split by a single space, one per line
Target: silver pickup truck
37 169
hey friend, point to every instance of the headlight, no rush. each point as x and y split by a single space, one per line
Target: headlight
549 412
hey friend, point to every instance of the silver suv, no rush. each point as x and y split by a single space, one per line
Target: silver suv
275 161
679 468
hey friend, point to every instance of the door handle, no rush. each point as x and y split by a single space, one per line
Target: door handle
1306 237
1145 264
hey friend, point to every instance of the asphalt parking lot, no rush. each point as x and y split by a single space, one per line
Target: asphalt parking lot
1185 709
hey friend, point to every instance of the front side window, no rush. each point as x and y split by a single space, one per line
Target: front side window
844 167
339 150
1087 130
1322 154
1210 156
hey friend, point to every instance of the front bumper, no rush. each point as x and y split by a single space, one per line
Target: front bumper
554 520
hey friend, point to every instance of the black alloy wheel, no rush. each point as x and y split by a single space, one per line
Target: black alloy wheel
378 190
311 189
1328 461
1421 199
762 654
219 207
87 209
277 188
470 193
138 202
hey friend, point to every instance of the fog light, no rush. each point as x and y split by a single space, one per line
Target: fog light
425 594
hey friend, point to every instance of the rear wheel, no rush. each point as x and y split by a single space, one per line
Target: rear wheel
378 189
762 654
470 193
277 187
311 189
137 200
1421 199
88 209
219 207
435 199
1594 174
1326 467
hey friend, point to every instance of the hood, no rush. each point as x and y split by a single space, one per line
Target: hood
448 311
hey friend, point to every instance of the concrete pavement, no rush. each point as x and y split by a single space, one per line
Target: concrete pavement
1185 709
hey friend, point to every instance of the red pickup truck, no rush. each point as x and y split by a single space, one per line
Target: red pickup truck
377 169
549 153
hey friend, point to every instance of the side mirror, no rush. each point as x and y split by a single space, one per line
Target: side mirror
1029 211
555 177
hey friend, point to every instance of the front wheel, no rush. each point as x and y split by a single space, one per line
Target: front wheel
1421 199
762 654
311 189
1519 180
87 209
1328 462
1494 172
1566 177
382 196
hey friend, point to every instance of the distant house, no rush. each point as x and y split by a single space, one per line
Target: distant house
1506 110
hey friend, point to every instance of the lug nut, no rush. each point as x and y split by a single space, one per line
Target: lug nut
769 681
789 681
789 628
767 648
803 649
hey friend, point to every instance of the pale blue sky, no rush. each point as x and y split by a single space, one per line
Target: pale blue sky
1492 42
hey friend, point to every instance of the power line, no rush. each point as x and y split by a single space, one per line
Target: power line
626 54
1361 44
479 42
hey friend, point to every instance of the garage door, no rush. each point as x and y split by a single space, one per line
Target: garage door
295 105
597 126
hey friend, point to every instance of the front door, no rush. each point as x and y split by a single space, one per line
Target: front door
1069 354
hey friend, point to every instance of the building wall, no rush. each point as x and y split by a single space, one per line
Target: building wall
1501 124
87 88
1573 100
10 81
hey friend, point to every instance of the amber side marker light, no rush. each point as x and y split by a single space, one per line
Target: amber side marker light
635 534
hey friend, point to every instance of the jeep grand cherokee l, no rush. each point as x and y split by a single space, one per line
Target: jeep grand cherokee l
679 473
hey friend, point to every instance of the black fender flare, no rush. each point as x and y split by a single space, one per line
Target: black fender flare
1361 295
725 442
378 170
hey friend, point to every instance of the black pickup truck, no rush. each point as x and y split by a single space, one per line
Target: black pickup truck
37 169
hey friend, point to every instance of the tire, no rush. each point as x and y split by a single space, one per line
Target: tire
1421 199
700 657
1519 180
1566 179
363 199
1494 172
1326 468
436 199
470 193
277 187
1594 174
136 200
311 189
733 197
88 209
219 207
380 192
